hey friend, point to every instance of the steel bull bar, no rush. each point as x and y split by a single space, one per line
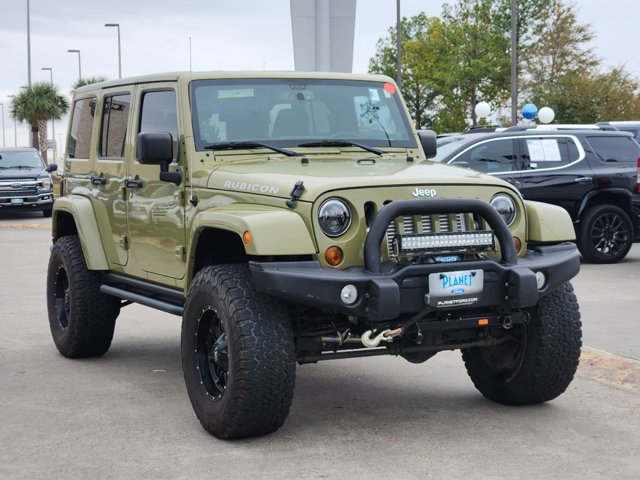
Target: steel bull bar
403 290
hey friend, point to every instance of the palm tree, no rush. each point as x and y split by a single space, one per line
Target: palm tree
36 105
88 81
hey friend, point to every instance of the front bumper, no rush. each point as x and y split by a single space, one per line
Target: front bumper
509 283
42 201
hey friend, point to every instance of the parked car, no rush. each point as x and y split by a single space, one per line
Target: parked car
25 180
591 172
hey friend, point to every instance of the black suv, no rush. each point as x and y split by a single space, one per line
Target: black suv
592 172
25 180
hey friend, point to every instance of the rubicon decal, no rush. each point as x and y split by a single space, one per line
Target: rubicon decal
424 192
251 187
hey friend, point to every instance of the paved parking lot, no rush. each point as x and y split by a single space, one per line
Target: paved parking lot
127 414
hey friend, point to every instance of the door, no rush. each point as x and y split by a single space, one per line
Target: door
109 172
155 207
556 171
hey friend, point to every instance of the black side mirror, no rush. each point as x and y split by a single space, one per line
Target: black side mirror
156 148
52 167
428 142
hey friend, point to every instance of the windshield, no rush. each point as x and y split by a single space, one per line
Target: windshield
26 159
290 112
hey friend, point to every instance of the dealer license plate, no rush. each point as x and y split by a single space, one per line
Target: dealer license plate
17 201
454 289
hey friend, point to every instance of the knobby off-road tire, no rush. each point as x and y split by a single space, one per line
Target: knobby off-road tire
538 367
81 317
238 354
605 234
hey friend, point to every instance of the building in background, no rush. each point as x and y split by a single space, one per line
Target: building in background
323 32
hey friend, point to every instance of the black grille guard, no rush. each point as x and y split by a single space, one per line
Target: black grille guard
415 207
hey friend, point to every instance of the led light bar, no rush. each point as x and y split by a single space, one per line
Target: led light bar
443 241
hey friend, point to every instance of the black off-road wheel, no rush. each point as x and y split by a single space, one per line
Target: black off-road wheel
81 318
238 354
539 361
605 234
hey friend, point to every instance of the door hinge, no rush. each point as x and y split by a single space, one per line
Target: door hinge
124 242
180 253
182 201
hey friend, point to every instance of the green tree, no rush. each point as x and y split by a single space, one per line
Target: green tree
36 105
564 73
415 88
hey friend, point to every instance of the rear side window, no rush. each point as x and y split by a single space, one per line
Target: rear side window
114 125
493 156
549 152
615 149
84 111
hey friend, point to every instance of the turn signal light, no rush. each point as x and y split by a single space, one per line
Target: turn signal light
483 322
517 243
334 256
246 237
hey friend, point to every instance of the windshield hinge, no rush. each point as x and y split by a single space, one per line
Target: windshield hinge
296 193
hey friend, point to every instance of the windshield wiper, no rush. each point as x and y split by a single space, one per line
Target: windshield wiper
243 145
342 143
21 166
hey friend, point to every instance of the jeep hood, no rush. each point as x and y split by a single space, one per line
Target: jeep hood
277 176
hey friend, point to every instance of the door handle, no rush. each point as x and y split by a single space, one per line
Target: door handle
132 183
583 180
98 180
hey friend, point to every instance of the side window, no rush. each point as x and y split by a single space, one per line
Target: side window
114 125
84 111
549 152
615 148
159 114
493 156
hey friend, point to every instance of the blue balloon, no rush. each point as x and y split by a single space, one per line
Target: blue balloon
529 111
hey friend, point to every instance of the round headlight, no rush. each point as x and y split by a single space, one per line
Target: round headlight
334 217
505 206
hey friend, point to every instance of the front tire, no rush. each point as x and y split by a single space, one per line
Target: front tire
238 354
81 318
539 363
605 234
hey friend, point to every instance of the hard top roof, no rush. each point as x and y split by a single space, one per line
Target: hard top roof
212 75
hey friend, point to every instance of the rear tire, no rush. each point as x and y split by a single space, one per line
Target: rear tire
238 354
605 234
539 364
81 318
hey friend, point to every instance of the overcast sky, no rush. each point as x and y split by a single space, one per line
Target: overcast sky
225 35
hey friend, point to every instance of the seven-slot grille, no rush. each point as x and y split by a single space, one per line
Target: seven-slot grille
436 223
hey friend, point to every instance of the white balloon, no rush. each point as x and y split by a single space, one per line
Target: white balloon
546 115
483 109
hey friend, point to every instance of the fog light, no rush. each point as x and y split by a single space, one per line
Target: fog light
540 279
349 294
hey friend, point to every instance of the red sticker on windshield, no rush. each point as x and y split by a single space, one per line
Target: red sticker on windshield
389 88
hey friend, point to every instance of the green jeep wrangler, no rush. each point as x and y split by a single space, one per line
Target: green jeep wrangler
293 218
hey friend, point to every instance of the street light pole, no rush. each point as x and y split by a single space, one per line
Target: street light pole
2 106
15 125
53 122
28 45
514 63
117 25
398 46
79 63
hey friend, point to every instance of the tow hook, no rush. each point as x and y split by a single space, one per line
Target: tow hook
384 336
507 322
